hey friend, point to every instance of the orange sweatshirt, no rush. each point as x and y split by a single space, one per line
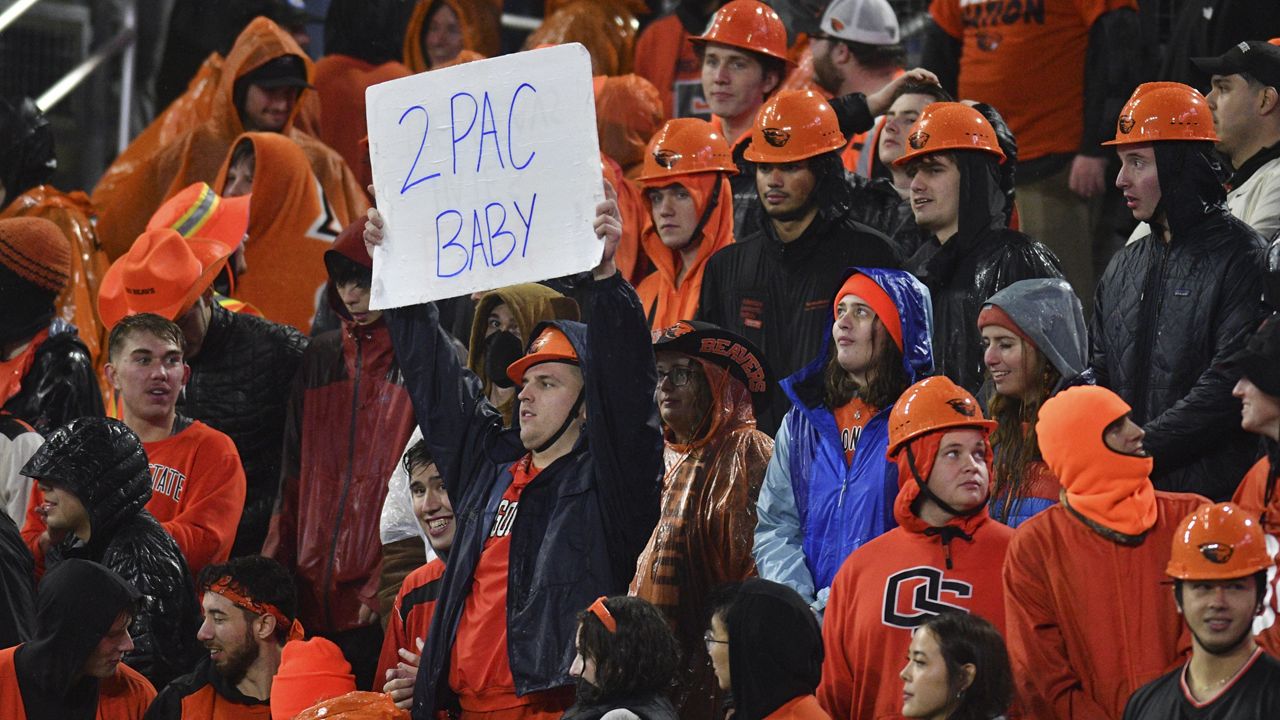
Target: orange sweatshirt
123 696
1252 496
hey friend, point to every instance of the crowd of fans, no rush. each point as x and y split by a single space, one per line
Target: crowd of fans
868 409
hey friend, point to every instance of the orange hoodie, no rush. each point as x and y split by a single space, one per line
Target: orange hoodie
140 180
1090 615
480 32
893 584
291 224
664 301
1252 496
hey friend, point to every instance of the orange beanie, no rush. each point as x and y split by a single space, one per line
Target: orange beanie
310 671
1107 487
877 299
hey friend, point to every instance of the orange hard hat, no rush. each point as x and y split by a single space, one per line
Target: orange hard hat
794 125
1218 542
1164 111
748 25
685 146
933 404
550 345
950 126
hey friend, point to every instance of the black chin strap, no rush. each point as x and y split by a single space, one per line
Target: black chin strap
928 494
712 202
568 422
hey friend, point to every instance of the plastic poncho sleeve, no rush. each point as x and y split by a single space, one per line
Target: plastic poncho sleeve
457 421
779 542
623 430
1045 681
1194 424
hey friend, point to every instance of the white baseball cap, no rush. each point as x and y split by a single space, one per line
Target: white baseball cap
870 22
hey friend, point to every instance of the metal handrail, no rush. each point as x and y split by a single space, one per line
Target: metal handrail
123 44
520 22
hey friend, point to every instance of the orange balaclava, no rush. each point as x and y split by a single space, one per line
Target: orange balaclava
1106 487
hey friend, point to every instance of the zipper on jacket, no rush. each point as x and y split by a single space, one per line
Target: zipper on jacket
346 483
1150 317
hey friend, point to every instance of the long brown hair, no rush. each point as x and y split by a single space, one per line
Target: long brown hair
886 379
1014 439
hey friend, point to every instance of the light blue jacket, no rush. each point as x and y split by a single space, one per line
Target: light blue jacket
814 508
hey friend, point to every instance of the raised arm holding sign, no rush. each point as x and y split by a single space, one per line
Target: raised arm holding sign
483 172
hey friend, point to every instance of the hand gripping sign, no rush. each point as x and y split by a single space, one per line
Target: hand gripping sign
487 173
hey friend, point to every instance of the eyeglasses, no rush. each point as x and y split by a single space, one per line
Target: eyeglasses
679 376
710 639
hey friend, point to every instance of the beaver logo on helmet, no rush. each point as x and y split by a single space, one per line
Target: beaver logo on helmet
1126 124
776 137
675 331
962 406
1217 552
918 140
666 158
836 25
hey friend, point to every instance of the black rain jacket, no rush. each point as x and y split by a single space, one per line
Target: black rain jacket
982 258
1166 316
60 386
582 521
240 386
102 463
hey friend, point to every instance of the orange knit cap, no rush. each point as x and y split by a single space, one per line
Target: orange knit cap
310 671
877 299
1107 487
995 315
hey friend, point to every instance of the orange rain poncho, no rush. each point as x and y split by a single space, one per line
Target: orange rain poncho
607 29
480 32
148 172
291 224
628 113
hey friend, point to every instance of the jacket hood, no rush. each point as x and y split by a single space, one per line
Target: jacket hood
915 309
531 304
480 31
26 148
258 44
628 112
1106 487
76 606
925 451
350 245
1048 312
370 30
982 201
102 462
716 232
775 650
1191 184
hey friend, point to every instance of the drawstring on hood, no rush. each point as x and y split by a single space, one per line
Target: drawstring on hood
914 468
1100 485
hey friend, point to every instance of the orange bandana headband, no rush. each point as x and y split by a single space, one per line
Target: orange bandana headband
602 613
229 589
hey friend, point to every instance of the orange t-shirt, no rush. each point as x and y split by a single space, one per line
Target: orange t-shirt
126 695
1026 58
197 494
480 669
851 418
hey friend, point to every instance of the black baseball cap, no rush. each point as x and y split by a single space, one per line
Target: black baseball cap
1259 359
284 71
722 347
1259 59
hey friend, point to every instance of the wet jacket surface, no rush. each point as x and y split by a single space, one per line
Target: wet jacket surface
583 520
778 295
127 539
349 418
1167 315
892 585
203 694
17 586
60 386
815 507
240 386
705 535
981 258
139 181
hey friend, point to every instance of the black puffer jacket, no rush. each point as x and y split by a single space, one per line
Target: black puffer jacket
102 463
240 386
60 386
1167 315
778 295
982 258
582 521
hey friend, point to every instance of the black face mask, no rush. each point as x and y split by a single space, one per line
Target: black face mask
500 350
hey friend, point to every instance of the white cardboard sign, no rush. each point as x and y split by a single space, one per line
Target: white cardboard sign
487 174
